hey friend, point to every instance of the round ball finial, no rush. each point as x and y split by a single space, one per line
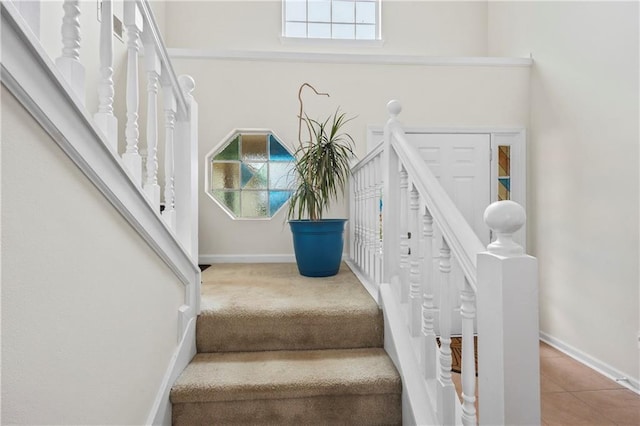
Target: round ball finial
187 83
394 107
505 218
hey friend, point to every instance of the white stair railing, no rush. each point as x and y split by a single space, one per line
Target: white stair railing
180 123
141 28
424 237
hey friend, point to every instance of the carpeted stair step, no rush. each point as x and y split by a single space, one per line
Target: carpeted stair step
272 307
343 386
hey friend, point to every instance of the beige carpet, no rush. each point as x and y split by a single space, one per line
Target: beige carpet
249 307
278 348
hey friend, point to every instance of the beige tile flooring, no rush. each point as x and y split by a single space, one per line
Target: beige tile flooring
573 394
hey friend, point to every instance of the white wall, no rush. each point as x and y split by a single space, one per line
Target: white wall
449 28
583 168
263 94
89 311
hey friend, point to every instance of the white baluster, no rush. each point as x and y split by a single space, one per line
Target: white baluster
404 240
356 218
169 213
69 63
377 243
151 186
371 220
104 118
468 313
131 157
415 293
445 389
361 210
430 347
507 305
365 217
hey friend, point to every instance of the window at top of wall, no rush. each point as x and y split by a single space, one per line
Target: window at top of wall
331 19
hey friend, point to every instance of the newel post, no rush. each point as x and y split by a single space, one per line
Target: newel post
390 200
186 171
507 315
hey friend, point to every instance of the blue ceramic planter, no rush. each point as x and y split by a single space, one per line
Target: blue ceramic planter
318 246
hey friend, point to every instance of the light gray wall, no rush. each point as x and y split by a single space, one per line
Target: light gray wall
583 168
89 311
263 93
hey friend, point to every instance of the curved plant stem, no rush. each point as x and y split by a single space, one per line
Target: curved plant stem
302 109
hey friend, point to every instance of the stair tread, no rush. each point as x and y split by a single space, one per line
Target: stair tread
255 307
274 288
286 374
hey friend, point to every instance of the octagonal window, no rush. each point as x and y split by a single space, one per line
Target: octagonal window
249 174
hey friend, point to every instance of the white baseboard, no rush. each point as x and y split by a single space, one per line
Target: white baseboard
593 363
160 413
210 259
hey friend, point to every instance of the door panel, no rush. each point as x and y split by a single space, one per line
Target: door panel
461 162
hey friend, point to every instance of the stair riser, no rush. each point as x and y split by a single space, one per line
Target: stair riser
375 409
263 333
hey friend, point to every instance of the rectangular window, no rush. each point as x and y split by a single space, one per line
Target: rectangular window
332 19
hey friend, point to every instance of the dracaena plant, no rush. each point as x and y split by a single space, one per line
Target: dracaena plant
322 166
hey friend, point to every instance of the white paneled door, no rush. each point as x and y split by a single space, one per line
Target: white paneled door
461 162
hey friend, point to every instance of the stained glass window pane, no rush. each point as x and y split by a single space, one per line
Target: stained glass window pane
277 152
225 175
250 175
504 160
281 175
255 204
231 199
277 199
258 178
504 189
254 147
231 152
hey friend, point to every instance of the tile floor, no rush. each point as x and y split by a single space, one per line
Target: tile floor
575 395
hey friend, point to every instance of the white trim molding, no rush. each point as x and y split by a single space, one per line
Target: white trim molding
211 259
347 58
160 413
601 367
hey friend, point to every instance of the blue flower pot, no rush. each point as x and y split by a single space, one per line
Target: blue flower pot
318 246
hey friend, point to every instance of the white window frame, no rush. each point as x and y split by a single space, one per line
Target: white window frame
378 26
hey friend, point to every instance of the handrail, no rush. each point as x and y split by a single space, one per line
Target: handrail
372 154
461 238
156 37
420 291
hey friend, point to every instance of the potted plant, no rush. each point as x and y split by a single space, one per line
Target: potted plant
321 170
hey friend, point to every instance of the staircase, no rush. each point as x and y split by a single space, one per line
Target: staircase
278 348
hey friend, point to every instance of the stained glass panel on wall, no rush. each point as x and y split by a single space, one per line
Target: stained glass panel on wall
250 174
504 172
